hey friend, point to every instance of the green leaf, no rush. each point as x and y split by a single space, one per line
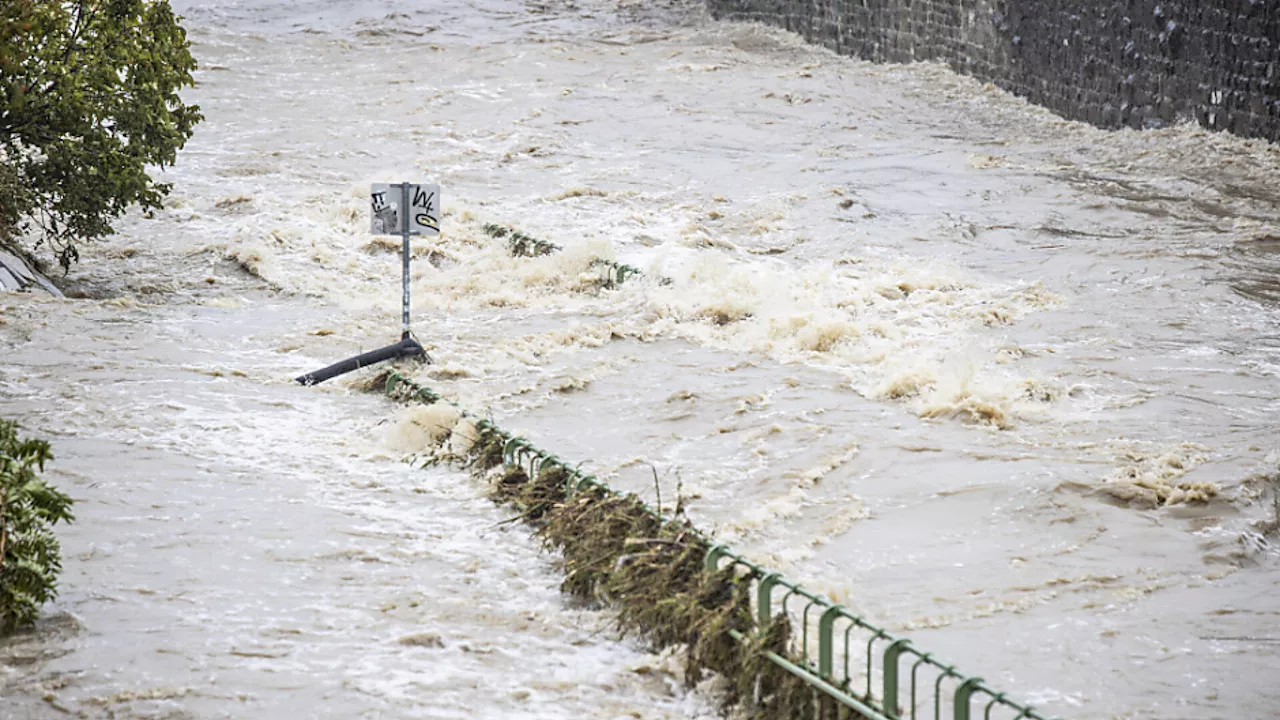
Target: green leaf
29 507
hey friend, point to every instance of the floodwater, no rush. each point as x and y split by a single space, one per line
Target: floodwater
1000 382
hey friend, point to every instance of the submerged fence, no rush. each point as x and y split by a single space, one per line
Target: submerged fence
613 273
853 667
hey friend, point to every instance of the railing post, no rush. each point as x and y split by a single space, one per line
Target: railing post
712 563
963 693
826 643
891 655
764 600
575 481
510 448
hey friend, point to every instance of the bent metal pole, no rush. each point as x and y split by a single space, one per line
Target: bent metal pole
406 348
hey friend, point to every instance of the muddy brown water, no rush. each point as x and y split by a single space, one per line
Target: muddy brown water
1000 382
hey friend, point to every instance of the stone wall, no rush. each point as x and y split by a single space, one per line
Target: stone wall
1136 63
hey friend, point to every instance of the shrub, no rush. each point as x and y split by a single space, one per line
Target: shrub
30 558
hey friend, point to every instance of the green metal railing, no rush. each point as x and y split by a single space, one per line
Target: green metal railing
852 653
837 652
522 245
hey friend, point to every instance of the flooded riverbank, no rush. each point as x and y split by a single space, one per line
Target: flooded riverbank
1002 382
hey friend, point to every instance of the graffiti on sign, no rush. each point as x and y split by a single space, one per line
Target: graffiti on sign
426 208
423 212
386 221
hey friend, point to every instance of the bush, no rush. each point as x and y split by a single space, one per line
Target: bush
88 101
30 558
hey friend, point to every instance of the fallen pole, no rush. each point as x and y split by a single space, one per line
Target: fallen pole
406 348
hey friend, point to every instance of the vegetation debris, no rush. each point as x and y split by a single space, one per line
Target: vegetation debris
616 551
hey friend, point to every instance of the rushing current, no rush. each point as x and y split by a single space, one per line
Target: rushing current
1006 384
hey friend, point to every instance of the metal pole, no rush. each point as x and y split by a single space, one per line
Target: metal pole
406 348
404 257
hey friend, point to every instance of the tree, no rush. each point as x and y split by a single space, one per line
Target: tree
88 101
30 557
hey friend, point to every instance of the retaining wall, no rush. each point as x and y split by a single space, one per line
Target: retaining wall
1135 63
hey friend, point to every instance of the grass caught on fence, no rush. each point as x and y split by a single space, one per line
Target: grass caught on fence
613 273
665 581
616 552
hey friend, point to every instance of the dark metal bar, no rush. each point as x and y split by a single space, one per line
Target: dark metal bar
407 348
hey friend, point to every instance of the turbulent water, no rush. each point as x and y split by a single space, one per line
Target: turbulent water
1000 382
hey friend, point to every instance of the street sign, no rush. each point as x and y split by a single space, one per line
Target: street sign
422 218
424 209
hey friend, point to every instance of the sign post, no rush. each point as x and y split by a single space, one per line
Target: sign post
404 263
404 209
421 217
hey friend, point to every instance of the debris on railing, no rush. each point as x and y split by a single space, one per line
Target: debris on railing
668 583
522 245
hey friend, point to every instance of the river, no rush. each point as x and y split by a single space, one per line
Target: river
1003 383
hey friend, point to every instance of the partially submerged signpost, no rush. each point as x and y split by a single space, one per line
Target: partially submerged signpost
404 209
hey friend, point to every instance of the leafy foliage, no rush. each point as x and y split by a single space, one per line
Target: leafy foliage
30 557
88 100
